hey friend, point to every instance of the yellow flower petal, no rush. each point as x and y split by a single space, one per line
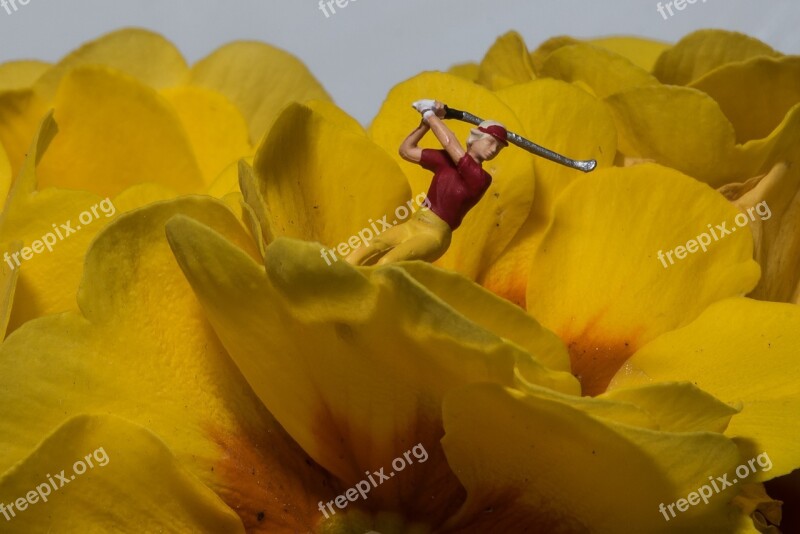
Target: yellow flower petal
116 132
8 286
489 227
641 52
569 121
255 208
677 127
39 293
21 111
507 62
335 115
139 53
117 477
142 349
703 51
564 119
5 176
759 156
774 201
740 91
492 313
677 406
20 74
556 456
468 71
604 72
227 181
343 361
546 48
741 351
216 130
685 129
259 79
629 297
50 277
324 182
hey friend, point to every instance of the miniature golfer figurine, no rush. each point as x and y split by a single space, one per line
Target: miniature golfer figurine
458 184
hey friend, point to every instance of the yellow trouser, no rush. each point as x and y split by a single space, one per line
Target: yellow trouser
424 236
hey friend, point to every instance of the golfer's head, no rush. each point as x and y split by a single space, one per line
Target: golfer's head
487 140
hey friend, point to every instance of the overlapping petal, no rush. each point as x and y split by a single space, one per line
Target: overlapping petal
507 62
677 406
492 313
705 50
116 132
547 47
216 130
321 180
141 54
131 482
555 451
570 121
5 176
685 129
727 133
630 295
357 364
641 52
221 92
20 74
754 95
21 111
601 71
468 71
259 79
741 351
144 351
775 200
8 286
50 277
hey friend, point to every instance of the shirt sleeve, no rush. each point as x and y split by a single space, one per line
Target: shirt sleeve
430 159
472 173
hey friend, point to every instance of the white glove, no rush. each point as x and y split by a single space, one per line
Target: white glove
424 105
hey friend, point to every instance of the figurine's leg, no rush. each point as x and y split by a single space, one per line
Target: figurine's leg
428 239
379 246
365 255
426 247
428 243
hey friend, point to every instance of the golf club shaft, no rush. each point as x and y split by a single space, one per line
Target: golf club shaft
530 146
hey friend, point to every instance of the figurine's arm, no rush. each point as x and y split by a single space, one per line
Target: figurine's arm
446 137
409 150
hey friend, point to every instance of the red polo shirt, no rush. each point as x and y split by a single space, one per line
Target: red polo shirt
455 189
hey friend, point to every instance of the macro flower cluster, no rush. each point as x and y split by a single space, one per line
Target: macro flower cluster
559 377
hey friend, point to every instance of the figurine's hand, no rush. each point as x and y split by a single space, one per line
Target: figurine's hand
423 105
439 109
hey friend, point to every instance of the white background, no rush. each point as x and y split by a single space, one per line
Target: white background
367 47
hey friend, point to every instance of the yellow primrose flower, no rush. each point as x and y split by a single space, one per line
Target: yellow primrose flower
352 379
718 128
678 127
136 124
218 375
